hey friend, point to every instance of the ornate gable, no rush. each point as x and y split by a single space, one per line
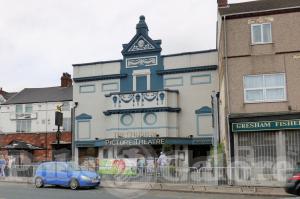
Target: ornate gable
141 42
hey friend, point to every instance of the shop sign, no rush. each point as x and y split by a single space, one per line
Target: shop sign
266 125
135 141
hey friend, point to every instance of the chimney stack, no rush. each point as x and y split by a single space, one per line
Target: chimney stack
66 80
222 3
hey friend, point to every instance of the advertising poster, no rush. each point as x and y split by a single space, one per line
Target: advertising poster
118 166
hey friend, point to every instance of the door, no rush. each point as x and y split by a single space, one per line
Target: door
49 173
141 83
61 174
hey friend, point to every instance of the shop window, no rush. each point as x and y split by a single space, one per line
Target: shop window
261 33
264 88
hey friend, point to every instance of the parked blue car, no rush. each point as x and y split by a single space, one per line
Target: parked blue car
65 174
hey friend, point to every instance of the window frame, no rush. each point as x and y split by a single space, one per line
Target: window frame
24 126
262 33
20 107
264 89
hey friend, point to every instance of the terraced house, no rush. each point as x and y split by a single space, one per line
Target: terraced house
259 59
135 106
27 121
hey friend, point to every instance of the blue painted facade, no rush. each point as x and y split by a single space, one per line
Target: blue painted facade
140 48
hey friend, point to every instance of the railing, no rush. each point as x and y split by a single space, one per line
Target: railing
200 176
147 99
19 171
241 176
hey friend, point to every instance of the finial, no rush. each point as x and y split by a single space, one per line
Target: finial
142 27
142 18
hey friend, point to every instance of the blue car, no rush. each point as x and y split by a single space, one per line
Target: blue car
65 174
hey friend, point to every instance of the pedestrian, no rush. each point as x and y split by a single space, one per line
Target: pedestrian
162 162
2 166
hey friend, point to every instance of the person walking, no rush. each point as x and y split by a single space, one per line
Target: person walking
162 162
2 166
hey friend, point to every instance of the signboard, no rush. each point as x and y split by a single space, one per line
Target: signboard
136 141
266 125
118 166
23 116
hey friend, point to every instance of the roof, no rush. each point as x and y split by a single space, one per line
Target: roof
258 6
21 145
8 95
39 95
168 55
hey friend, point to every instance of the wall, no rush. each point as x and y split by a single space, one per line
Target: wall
45 121
192 96
43 140
282 55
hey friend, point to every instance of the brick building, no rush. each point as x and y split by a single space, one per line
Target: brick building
27 121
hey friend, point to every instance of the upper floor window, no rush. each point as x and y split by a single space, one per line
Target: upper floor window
28 108
23 125
264 88
261 33
19 108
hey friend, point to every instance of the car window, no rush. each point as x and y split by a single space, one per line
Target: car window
48 167
60 167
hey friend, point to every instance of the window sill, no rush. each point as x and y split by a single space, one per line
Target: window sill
255 44
262 102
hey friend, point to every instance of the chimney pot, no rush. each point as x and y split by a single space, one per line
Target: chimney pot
66 80
222 3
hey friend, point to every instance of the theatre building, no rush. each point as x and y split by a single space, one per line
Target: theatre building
145 103
259 56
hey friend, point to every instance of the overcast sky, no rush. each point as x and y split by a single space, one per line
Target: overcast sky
41 39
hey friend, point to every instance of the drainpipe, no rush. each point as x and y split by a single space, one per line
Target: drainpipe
73 129
227 99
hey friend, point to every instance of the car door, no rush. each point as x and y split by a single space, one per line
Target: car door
61 174
49 173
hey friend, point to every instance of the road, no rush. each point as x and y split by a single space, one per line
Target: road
27 191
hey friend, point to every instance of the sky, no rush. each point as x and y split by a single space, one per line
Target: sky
41 39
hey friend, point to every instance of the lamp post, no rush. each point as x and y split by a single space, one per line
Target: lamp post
58 122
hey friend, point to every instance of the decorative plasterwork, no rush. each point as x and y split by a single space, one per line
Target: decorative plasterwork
141 44
141 61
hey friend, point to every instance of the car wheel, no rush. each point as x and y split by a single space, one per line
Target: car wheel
39 182
74 184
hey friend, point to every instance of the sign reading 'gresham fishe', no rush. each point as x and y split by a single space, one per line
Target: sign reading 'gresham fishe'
135 141
266 125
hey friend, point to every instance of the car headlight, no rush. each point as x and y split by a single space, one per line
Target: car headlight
85 178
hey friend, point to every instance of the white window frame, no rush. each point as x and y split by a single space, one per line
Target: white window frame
144 72
265 88
261 29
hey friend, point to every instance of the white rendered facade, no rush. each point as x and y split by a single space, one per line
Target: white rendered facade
145 99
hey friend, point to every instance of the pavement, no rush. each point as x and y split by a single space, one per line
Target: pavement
141 187
28 191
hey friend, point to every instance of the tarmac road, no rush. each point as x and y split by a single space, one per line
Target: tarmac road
28 191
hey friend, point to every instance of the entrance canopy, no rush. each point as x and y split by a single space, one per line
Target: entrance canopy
21 145
145 141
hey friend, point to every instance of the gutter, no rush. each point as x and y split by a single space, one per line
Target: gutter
261 11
